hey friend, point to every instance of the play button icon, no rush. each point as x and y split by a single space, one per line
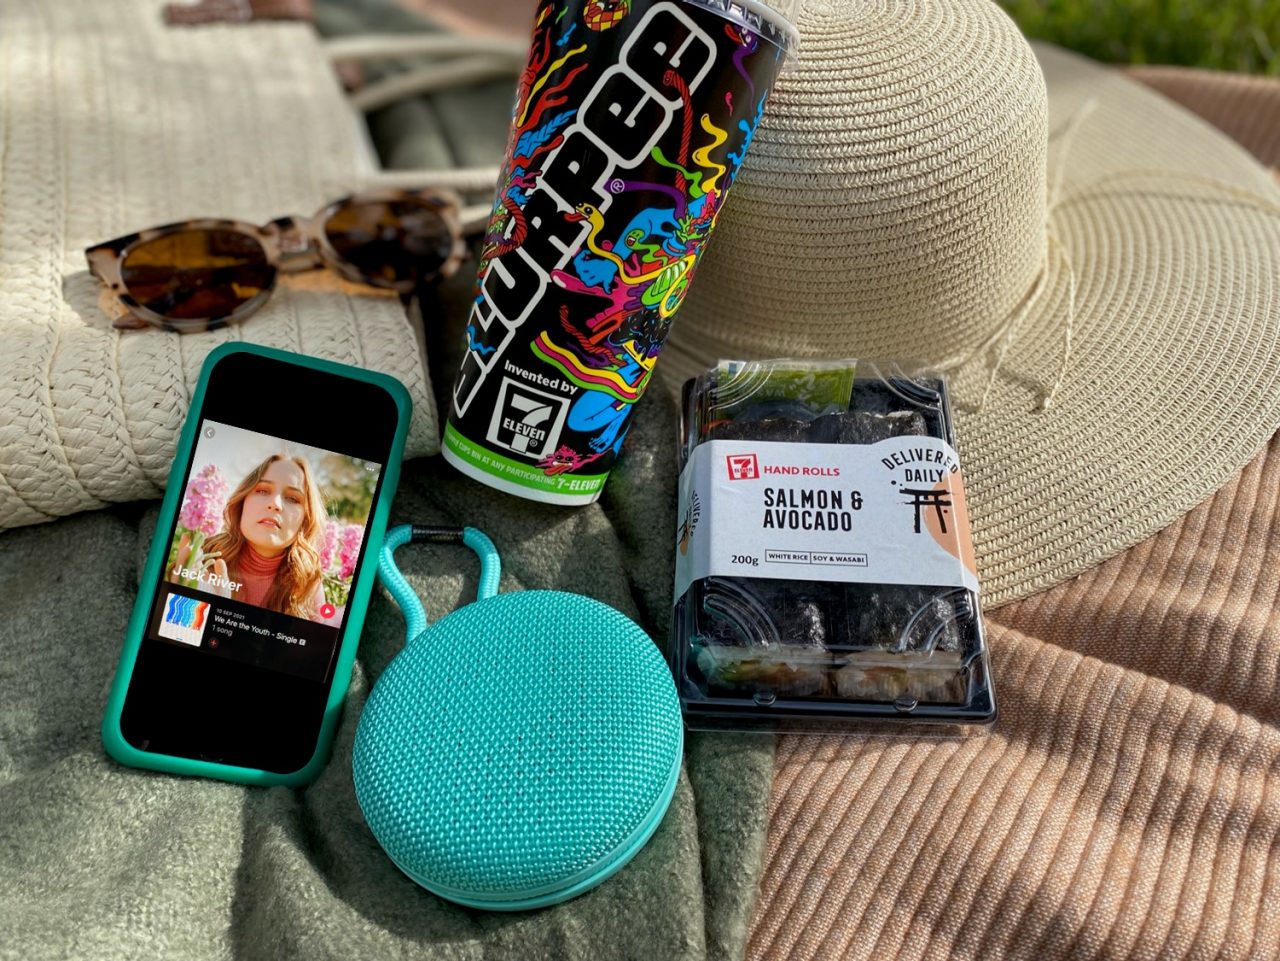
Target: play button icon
327 611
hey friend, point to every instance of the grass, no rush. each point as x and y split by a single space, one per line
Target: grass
1238 35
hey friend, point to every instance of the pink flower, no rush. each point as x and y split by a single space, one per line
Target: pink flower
206 498
331 529
352 538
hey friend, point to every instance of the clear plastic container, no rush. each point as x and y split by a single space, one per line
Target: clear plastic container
795 605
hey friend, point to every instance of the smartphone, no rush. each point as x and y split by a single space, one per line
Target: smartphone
238 654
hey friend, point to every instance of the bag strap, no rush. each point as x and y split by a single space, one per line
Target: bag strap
458 61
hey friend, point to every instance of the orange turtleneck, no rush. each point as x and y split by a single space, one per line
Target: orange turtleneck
257 573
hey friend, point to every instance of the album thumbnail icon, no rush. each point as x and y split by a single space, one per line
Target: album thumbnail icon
184 619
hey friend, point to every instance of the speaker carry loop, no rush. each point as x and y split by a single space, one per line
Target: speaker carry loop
415 617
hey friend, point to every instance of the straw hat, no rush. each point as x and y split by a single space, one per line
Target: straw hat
1097 270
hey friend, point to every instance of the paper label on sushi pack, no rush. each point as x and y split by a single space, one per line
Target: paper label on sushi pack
892 512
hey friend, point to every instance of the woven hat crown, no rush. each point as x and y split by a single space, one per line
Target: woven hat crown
893 201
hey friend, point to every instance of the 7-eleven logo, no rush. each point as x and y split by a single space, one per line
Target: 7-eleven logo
526 420
743 467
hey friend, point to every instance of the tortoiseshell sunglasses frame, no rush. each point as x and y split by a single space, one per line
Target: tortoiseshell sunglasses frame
291 245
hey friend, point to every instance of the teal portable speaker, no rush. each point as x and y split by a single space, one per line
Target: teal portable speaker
522 749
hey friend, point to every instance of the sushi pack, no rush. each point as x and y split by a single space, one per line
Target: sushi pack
824 572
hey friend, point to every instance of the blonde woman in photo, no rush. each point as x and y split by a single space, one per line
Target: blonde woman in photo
268 551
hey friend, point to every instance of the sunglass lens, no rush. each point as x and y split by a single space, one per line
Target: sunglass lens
391 243
197 276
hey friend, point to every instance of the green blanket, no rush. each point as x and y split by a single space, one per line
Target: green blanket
100 861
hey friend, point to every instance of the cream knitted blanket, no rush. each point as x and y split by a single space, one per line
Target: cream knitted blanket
111 122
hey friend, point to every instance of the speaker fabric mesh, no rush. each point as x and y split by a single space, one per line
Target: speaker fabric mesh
520 750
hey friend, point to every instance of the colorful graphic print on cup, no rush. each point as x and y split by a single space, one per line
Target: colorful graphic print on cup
631 122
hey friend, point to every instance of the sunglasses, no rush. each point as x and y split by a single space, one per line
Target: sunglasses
201 274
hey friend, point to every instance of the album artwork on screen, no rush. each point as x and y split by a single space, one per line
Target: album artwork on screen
264 550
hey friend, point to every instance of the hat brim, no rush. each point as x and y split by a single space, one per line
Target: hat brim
1164 377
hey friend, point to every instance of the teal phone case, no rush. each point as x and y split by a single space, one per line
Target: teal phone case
112 738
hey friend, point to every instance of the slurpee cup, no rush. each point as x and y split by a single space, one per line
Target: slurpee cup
631 121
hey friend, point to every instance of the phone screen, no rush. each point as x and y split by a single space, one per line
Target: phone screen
249 610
